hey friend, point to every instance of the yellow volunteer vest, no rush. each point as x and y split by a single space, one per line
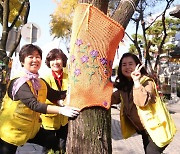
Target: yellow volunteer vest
156 119
127 129
19 123
54 121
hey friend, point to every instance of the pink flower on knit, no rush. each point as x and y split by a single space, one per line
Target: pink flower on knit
77 72
94 53
84 59
103 61
105 103
79 42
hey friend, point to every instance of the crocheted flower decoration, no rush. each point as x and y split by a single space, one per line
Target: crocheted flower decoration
91 61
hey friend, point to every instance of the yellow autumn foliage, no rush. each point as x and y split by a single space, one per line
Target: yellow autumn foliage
62 17
14 6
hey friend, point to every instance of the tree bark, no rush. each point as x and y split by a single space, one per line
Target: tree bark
100 4
90 133
5 30
125 11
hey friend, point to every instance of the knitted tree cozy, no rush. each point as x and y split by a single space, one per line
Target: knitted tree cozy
94 40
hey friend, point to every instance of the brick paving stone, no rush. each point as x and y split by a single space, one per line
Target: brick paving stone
29 148
132 145
174 146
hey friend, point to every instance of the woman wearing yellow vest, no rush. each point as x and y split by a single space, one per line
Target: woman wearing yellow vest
53 133
142 110
25 100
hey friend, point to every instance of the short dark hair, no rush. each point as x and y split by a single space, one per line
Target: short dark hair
56 53
27 50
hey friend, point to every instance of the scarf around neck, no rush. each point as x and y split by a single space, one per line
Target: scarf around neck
58 77
28 76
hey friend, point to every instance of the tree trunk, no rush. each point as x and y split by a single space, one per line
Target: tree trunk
5 31
125 11
90 132
100 4
4 58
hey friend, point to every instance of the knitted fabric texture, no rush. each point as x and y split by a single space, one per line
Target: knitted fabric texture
94 40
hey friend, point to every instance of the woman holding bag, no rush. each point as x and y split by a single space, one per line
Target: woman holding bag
142 110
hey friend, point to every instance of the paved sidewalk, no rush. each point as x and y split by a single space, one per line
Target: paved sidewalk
132 145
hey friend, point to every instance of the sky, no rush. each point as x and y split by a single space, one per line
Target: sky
40 15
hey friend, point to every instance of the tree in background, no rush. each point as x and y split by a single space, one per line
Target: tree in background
155 36
157 30
13 15
62 18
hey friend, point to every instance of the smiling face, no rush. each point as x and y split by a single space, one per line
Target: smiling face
56 64
128 66
32 62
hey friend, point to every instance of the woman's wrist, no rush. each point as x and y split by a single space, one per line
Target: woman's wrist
137 84
60 103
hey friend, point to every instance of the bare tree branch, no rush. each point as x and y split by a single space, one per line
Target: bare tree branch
169 2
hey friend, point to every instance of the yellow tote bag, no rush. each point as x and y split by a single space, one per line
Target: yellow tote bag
127 129
158 121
